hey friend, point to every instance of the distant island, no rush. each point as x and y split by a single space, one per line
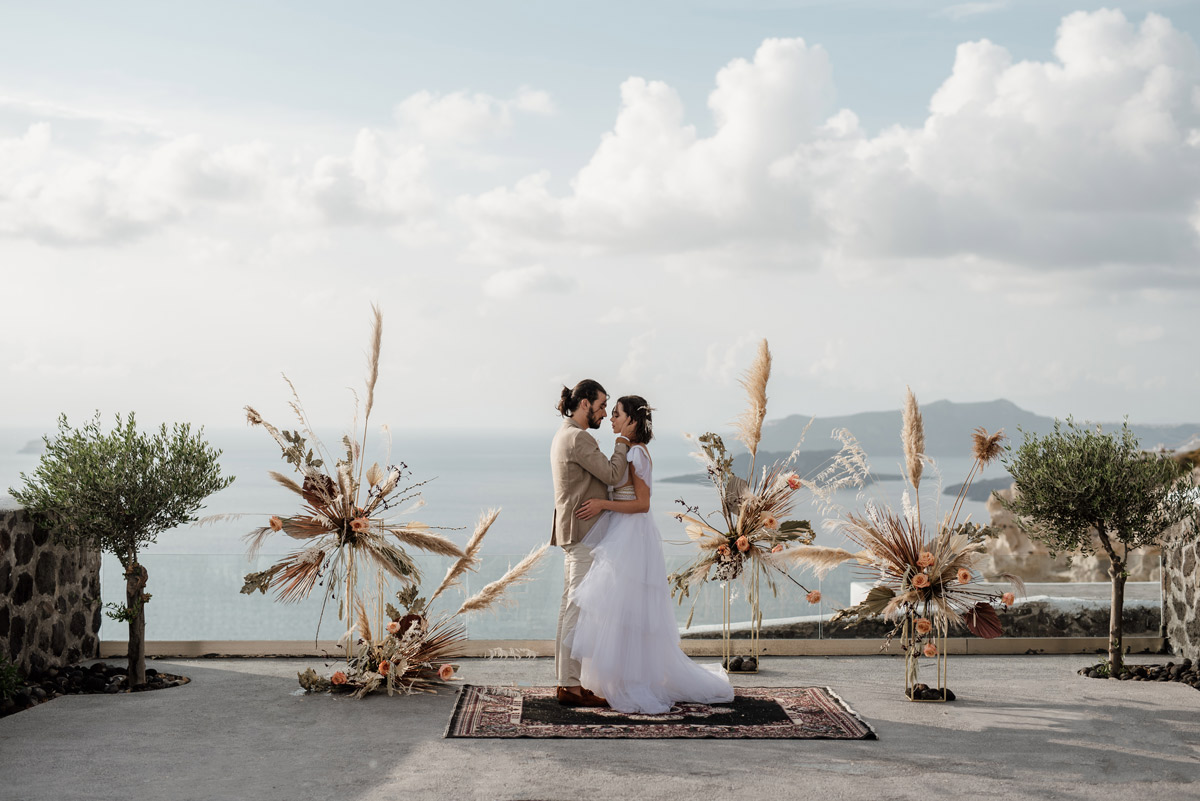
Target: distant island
807 463
948 427
34 446
981 489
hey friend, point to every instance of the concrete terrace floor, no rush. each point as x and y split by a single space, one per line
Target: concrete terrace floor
1023 727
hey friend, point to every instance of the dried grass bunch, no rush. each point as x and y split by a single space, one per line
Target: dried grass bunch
926 578
416 651
754 533
351 534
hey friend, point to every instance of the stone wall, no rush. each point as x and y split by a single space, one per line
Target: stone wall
1181 590
49 597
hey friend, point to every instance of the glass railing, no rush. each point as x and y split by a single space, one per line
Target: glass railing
197 597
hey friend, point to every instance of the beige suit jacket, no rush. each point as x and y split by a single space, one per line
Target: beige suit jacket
581 472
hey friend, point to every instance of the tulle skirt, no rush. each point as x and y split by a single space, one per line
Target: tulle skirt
626 638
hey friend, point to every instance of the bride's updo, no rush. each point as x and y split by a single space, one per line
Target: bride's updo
640 412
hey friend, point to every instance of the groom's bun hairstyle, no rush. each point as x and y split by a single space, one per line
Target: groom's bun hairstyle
585 390
640 412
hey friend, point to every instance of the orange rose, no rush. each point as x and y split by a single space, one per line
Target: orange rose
360 524
1007 599
925 559
964 576
276 523
384 667
743 544
446 672
777 548
723 550
920 581
794 482
930 649
814 597
924 626
393 627
338 677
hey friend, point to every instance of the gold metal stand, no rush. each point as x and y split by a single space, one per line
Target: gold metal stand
755 650
912 657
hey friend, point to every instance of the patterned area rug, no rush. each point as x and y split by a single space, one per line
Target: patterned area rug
801 713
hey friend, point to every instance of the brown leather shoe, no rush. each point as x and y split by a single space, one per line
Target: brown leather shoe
579 696
570 696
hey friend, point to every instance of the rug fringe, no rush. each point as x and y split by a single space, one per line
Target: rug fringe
854 713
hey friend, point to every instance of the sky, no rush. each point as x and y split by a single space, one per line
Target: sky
979 200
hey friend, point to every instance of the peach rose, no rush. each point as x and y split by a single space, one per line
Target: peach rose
360 524
393 626
925 559
384 667
814 597
743 544
930 649
1007 599
767 520
276 523
794 482
446 672
777 548
924 626
964 576
920 581
338 677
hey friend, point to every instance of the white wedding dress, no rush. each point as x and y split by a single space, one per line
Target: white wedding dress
626 638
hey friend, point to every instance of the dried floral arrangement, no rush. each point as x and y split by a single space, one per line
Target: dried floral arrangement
926 579
754 539
352 541
415 651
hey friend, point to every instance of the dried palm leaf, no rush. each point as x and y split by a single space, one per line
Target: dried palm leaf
391 559
982 621
493 592
749 425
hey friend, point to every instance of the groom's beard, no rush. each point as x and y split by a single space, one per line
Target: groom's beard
594 421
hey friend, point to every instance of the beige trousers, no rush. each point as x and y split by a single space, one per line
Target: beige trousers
577 558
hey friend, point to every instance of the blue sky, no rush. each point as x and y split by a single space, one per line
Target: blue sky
201 196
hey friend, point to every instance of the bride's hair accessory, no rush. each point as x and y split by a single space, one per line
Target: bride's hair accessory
641 413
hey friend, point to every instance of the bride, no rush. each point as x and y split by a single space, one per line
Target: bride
626 639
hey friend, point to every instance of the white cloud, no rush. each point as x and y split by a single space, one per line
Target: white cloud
1078 162
464 116
522 281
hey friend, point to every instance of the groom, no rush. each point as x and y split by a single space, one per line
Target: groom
581 472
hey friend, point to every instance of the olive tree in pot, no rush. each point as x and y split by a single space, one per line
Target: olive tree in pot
1083 491
116 491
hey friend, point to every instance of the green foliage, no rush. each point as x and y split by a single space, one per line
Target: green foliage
117 490
10 678
124 614
1076 479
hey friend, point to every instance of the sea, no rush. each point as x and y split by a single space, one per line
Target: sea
196 571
